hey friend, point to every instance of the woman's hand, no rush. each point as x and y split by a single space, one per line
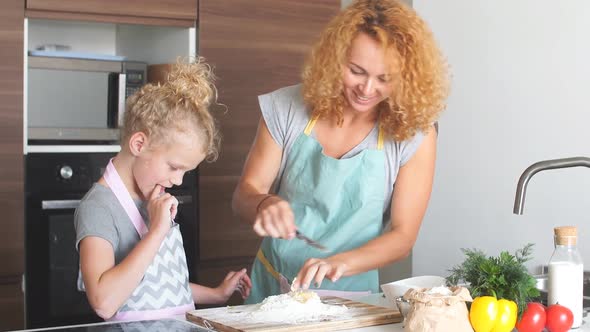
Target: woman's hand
275 218
316 269
235 281
162 208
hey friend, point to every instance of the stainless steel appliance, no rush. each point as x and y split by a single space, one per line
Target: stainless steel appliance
55 183
78 100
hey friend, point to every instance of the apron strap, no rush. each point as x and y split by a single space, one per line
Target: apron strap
112 178
310 125
267 265
380 139
312 121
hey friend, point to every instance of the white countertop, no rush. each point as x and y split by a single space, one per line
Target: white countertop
375 299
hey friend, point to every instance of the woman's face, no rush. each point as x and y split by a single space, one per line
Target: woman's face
367 76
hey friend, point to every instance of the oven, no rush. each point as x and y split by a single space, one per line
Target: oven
55 183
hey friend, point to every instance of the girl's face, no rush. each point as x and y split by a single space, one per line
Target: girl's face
165 164
367 77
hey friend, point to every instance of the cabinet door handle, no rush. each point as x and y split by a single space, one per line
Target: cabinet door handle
60 204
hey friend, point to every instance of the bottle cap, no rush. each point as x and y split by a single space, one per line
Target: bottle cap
566 235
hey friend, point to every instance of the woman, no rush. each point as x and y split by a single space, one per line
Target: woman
349 151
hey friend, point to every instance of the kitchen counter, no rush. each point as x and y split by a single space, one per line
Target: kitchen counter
180 324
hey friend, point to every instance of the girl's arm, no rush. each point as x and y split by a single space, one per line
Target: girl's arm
108 286
408 206
233 281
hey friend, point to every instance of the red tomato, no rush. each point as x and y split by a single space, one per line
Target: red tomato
559 318
533 318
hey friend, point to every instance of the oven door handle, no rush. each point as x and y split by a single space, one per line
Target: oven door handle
184 199
60 204
73 203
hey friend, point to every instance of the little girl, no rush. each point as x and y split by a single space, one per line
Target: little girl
132 261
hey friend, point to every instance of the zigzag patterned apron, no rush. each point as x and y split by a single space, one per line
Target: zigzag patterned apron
164 290
337 202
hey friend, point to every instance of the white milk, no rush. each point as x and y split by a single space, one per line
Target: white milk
566 284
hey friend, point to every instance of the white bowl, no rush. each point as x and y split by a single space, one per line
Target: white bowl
395 289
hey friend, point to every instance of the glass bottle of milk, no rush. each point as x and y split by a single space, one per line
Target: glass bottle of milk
566 272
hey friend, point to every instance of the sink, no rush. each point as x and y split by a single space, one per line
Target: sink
543 286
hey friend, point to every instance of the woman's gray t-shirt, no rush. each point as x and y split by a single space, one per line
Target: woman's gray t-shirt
286 116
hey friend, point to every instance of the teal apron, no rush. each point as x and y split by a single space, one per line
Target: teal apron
337 202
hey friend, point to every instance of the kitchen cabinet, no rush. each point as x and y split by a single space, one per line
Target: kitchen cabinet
12 169
151 42
158 12
255 47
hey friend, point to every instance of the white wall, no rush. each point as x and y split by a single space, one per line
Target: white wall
521 81
151 44
87 37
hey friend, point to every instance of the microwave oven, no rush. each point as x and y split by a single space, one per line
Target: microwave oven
79 101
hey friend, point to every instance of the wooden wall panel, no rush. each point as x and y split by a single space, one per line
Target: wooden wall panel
117 19
173 9
12 164
255 46
222 236
11 307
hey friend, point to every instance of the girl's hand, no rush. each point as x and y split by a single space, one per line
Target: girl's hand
162 208
316 269
275 218
235 281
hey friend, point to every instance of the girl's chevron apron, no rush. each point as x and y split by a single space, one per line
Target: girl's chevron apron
164 290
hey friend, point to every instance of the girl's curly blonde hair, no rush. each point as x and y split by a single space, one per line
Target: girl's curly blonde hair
422 84
180 104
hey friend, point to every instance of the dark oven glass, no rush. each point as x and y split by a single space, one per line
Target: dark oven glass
52 262
52 269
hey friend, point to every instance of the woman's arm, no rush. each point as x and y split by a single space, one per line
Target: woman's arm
269 216
408 206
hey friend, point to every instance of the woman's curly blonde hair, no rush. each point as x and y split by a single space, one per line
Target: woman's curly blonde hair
422 84
180 104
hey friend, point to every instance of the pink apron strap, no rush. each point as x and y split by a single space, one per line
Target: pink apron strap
114 181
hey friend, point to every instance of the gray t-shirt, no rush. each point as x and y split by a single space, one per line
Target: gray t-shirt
286 116
100 214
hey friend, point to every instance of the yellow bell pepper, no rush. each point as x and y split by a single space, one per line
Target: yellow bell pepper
487 314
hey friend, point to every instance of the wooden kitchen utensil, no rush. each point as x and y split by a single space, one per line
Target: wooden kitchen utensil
359 315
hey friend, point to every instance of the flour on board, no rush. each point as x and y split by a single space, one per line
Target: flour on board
293 307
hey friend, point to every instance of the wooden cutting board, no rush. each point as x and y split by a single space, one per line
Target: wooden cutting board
359 315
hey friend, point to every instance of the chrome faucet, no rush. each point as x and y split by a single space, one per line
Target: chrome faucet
542 166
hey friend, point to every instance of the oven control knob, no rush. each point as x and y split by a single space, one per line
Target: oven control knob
66 172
